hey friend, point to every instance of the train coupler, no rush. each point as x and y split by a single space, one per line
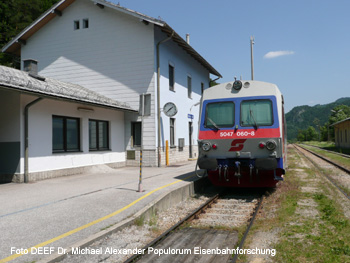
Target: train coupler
219 168
238 171
251 167
225 173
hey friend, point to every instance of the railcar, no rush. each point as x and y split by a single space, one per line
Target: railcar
242 134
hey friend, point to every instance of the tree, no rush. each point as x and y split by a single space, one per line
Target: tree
212 83
311 134
338 113
301 135
324 133
15 15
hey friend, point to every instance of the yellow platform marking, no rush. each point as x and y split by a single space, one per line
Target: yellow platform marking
91 223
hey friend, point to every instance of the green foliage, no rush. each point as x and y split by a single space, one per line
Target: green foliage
212 83
339 113
319 117
15 15
309 134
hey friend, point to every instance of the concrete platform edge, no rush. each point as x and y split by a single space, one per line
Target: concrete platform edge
161 203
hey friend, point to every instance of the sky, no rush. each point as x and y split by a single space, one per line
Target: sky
302 46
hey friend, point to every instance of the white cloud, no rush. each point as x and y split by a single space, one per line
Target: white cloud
275 54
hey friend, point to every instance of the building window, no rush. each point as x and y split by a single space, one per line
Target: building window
76 25
136 134
65 134
98 135
189 86
86 23
171 77
172 132
202 88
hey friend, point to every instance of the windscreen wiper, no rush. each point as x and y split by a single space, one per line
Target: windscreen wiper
252 115
213 123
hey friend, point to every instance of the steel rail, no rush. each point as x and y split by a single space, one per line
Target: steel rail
328 177
327 160
336 153
191 216
257 208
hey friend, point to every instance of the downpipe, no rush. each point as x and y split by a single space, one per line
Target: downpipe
158 95
26 137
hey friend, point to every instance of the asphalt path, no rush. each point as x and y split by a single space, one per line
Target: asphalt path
57 213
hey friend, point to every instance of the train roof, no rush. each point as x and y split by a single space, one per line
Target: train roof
249 88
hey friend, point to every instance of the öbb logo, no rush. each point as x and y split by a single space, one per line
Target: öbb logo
237 145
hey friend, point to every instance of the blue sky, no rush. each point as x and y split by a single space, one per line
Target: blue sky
303 46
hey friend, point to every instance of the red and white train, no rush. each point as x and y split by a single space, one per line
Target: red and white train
242 134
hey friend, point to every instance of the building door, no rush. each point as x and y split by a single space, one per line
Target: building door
190 130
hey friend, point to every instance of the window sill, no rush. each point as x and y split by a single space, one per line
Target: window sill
100 150
65 152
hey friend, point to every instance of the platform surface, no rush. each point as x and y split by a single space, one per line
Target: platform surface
57 213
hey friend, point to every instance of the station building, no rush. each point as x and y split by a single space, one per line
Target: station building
52 128
117 54
342 133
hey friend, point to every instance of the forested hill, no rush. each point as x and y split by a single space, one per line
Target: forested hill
301 117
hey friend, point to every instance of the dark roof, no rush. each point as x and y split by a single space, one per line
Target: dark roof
348 119
14 46
21 81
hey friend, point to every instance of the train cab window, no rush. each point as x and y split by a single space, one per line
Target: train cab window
256 113
220 114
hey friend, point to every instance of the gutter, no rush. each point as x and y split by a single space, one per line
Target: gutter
26 140
158 96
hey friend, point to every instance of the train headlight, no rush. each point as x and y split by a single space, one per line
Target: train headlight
271 145
237 85
206 146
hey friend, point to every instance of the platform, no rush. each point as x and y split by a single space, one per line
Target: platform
67 211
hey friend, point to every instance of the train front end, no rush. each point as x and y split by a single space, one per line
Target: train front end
241 135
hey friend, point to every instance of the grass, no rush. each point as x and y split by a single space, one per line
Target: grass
343 161
140 221
317 232
330 146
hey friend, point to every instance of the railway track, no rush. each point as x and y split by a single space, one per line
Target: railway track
327 160
332 152
208 234
338 185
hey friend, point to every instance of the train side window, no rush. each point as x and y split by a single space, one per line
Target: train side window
220 114
256 113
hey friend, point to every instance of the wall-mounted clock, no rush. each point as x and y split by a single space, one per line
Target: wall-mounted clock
170 109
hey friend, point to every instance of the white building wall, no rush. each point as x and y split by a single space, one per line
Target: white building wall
184 65
114 56
41 156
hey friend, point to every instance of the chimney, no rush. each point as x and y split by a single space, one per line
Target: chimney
30 66
188 38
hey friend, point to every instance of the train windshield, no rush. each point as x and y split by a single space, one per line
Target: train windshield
220 114
256 113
